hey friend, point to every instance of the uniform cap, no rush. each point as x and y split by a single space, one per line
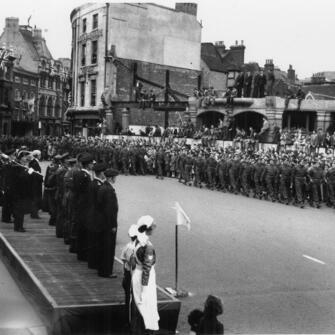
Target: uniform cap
111 173
71 161
99 167
85 158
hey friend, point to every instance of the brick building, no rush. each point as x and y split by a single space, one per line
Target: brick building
117 48
39 81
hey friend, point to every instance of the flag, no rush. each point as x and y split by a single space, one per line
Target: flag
182 218
31 105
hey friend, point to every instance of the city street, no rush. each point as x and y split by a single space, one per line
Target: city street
273 265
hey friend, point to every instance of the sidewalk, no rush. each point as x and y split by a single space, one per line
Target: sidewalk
17 315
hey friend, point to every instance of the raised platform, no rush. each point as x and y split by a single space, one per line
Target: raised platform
71 298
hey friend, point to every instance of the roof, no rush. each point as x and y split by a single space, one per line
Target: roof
214 61
28 38
321 92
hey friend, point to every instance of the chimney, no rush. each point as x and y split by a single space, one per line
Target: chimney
291 74
187 7
220 47
12 24
268 65
37 34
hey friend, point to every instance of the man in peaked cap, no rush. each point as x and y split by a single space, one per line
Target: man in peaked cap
107 204
95 222
81 187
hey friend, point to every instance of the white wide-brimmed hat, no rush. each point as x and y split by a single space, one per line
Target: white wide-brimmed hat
145 220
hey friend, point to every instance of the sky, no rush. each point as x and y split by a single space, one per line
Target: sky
297 32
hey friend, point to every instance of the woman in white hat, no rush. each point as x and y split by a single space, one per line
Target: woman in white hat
144 288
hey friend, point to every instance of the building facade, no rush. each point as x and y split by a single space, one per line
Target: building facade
117 48
39 82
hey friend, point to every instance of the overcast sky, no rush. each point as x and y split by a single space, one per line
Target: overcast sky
297 32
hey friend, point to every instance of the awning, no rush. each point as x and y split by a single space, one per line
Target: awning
78 114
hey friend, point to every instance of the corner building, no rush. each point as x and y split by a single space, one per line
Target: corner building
118 46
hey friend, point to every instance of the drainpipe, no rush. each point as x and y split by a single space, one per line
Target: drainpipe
106 43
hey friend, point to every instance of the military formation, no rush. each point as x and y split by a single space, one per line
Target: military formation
288 176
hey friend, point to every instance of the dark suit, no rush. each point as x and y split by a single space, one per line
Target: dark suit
82 205
22 195
94 225
108 205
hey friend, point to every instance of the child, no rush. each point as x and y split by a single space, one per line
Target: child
194 319
209 323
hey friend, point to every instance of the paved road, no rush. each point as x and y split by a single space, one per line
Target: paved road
273 265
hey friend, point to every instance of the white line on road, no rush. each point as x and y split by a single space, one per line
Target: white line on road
314 259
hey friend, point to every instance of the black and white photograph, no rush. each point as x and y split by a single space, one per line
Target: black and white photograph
167 168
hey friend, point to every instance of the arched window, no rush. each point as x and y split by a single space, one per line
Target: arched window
41 106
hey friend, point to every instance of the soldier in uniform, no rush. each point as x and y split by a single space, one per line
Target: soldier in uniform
188 169
316 176
210 170
107 204
159 160
271 172
330 180
285 174
300 178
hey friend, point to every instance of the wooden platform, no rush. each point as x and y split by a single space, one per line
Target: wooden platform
70 297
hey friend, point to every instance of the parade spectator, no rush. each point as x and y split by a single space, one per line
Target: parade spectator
248 85
261 84
193 319
300 95
208 323
270 83
239 84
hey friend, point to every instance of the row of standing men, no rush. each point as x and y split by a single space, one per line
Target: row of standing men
83 205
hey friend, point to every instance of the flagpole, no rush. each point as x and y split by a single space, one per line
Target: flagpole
176 274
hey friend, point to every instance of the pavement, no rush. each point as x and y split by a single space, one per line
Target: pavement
17 314
272 265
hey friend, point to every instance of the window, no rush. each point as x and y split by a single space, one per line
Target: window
17 79
95 21
84 25
94 57
83 55
50 82
93 92
42 81
57 84
82 93
25 81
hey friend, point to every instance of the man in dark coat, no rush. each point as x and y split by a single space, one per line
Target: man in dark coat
108 206
248 85
239 83
81 188
7 186
37 181
22 191
94 223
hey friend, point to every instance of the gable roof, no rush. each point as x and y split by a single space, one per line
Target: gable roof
214 61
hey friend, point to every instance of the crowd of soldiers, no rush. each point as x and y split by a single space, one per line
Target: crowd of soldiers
287 176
